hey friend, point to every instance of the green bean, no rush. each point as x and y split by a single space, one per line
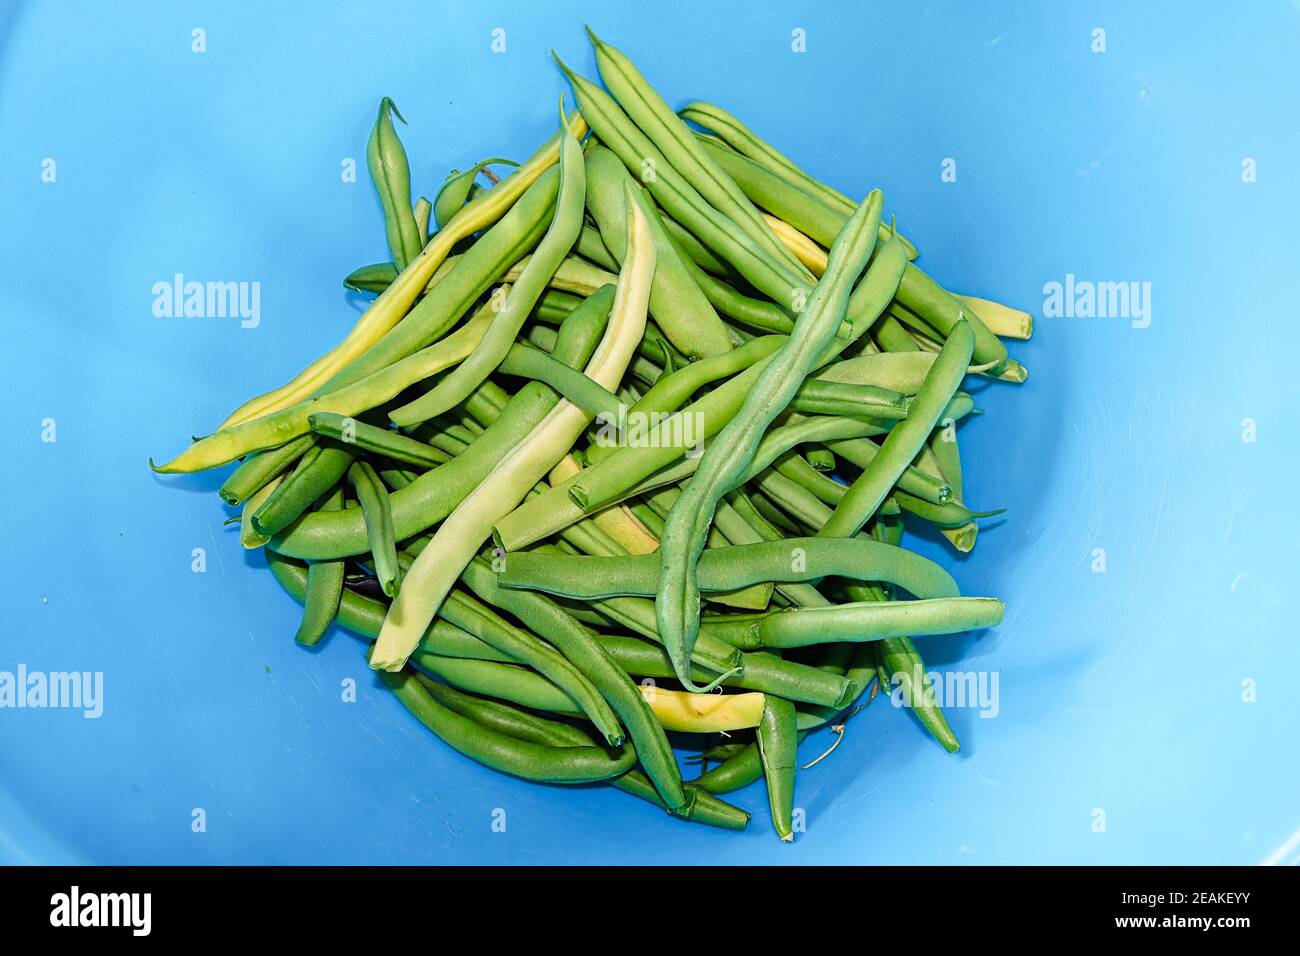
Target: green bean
372 278
505 753
906 670
694 251
755 313
725 569
379 441
893 338
941 309
554 306
455 190
379 524
460 536
577 388
433 496
761 672
260 467
737 771
778 745
560 236
724 462
467 613
319 470
578 644
324 589
821 459
676 301
680 199
364 616
592 246
855 401
782 199
742 139
702 808
906 438
950 514
873 621
392 178
666 130
505 681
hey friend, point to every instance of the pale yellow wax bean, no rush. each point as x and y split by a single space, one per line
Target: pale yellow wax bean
702 713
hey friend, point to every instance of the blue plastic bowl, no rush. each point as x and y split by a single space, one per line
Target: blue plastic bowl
1144 714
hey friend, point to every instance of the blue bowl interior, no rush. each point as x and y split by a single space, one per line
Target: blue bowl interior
1138 709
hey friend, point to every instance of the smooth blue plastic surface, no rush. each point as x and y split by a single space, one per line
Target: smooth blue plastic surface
1157 698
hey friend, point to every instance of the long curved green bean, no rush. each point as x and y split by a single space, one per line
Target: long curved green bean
702 808
726 569
725 460
578 644
502 752
907 438
873 621
467 613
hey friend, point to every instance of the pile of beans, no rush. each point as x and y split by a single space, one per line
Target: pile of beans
624 448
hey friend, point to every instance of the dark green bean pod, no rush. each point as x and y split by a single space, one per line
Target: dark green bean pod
906 438
704 808
821 458
727 569
380 441
324 588
587 394
467 613
502 752
392 177
762 672
260 467
378 517
364 616
319 470
578 644
778 745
